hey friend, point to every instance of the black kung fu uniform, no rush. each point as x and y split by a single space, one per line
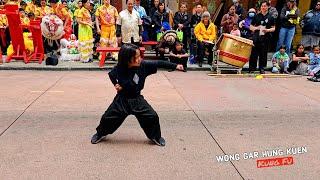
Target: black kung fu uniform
130 101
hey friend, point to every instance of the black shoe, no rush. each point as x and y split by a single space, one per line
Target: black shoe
200 64
185 70
159 142
96 138
262 71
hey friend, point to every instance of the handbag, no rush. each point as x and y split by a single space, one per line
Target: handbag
159 35
179 35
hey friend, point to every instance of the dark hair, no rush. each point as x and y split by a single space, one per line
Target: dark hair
84 1
161 3
315 46
299 45
126 54
264 1
201 4
283 47
22 3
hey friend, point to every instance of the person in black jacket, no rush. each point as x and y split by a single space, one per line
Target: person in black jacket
159 17
182 22
289 18
195 19
128 78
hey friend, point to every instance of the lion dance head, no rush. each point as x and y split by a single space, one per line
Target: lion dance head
52 27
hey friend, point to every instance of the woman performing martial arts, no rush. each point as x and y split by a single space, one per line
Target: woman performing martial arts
128 78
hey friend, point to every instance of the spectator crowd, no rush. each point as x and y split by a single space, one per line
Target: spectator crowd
184 35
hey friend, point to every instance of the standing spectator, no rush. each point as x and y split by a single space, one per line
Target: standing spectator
245 24
75 24
139 9
129 26
106 16
299 63
229 19
182 22
262 25
154 8
206 34
195 19
85 32
239 9
311 27
235 31
289 18
196 2
273 11
160 17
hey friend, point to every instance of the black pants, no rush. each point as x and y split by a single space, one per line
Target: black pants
182 61
201 49
121 107
259 50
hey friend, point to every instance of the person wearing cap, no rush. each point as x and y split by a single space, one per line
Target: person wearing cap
261 26
129 26
206 34
167 43
245 24
229 19
85 32
64 15
289 18
311 27
106 17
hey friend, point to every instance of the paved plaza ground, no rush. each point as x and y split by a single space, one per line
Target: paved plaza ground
48 117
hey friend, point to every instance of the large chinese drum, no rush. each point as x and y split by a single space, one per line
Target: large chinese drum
235 50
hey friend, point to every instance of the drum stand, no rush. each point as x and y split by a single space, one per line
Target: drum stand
219 66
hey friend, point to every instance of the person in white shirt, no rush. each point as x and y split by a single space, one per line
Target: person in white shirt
129 26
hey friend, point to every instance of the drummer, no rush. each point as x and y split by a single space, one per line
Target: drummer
206 34
262 25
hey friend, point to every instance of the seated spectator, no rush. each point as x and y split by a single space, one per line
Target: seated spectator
206 34
160 17
167 43
314 65
299 63
179 56
245 24
235 31
229 19
280 61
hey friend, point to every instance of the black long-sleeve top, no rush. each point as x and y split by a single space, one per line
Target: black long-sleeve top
132 79
158 18
184 19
